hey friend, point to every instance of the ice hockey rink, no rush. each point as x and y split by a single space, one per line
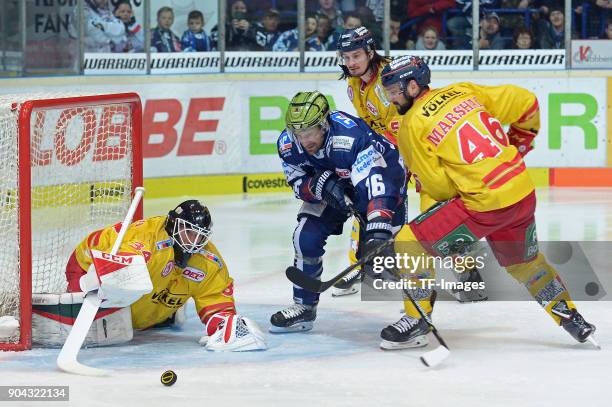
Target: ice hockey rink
502 353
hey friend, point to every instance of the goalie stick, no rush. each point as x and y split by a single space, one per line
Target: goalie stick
67 359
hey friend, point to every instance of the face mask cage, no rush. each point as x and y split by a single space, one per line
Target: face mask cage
189 237
322 123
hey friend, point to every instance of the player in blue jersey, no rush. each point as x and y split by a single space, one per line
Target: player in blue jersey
327 156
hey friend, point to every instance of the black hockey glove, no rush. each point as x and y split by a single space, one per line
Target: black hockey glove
378 232
328 187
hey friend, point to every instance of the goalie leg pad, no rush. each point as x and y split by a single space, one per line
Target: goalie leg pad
236 333
54 314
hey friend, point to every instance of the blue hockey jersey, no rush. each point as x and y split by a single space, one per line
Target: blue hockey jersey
352 150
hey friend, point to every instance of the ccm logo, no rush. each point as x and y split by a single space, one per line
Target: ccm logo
194 274
117 259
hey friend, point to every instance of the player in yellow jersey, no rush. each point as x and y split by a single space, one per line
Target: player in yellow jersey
182 263
362 66
453 141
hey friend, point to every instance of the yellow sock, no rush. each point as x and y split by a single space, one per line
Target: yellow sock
410 252
543 283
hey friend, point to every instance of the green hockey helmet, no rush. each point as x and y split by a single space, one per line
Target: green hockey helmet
306 110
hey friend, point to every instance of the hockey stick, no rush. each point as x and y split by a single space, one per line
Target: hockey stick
299 278
67 359
434 357
431 358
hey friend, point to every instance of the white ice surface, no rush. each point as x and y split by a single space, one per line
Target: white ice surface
502 353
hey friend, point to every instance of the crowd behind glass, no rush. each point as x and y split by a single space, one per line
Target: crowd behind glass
271 25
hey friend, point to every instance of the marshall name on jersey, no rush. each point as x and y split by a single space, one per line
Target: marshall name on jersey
452 139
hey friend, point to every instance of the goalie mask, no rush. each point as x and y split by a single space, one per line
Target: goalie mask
190 226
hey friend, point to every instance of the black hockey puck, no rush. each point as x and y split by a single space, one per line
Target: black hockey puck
168 378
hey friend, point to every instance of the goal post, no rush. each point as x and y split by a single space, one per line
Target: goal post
68 166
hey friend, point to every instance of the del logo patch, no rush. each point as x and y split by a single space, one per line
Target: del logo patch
167 269
394 125
194 274
229 290
371 108
350 93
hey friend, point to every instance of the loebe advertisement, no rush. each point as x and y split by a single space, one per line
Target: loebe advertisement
210 127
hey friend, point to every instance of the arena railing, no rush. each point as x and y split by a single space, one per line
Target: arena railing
17 20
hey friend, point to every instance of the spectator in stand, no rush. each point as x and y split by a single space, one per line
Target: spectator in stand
523 38
551 33
378 9
241 34
398 9
490 37
325 33
330 9
513 21
429 41
195 39
394 34
351 20
600 9
288 40
236 6
133 41
266 31
368 20
607 35
102 29
429 12
544 6
162 37
460 26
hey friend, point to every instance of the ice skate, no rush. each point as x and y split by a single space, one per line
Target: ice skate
406 333
294 318
574 323
348 285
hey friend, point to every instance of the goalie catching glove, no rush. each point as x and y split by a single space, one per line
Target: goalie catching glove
227 331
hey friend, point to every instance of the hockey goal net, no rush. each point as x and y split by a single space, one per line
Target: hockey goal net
68 166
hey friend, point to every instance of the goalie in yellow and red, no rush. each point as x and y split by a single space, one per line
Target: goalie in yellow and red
181 263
